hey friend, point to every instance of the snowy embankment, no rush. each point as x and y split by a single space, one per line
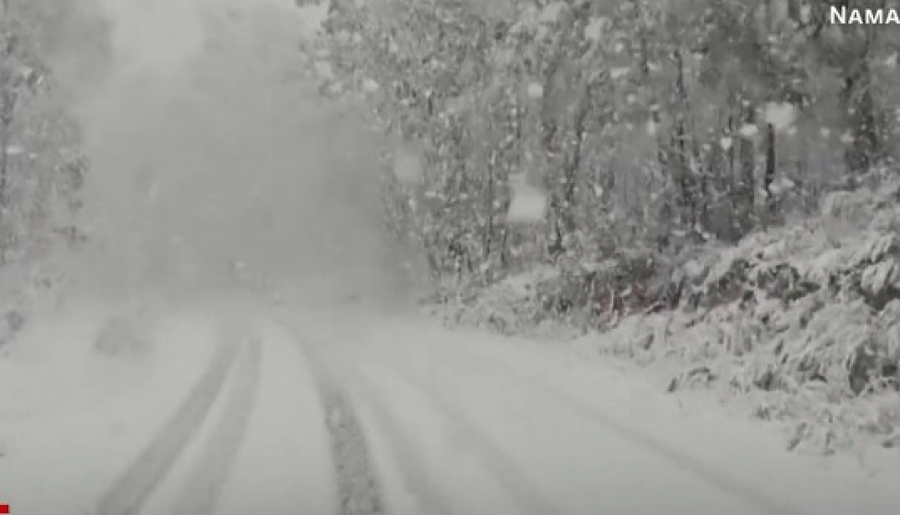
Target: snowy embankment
73 415
803 320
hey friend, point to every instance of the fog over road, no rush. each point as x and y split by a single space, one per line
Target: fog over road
207 152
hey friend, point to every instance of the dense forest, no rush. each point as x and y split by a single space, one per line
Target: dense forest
726 163
651 125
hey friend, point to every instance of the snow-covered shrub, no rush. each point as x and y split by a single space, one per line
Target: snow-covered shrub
801 313
510 306
119 338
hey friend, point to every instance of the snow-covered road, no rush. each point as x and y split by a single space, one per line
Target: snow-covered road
459 422
363 413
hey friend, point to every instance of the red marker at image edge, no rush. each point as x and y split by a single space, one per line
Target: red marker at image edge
4 509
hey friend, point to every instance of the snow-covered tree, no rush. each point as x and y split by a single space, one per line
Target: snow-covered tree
649 126
41 167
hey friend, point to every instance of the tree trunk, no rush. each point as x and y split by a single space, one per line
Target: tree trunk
769 176
862 119
682 168
745 190
8 99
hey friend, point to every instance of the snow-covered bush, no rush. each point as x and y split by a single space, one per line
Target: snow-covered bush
803 312
119 338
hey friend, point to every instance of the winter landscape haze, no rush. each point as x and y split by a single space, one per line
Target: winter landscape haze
434 257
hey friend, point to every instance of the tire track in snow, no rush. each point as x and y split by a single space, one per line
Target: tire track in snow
414 471
200 494
130 490
358 489
525 493
711 475
402 445
357 485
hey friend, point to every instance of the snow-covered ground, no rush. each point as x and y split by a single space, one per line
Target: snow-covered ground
497 425
326 405
452 422
71 418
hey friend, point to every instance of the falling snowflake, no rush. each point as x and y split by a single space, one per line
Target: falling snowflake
552 12
781 186
594 30
529 204
806 13
370 86
324 70
748 130
407 165
780 115
618 73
